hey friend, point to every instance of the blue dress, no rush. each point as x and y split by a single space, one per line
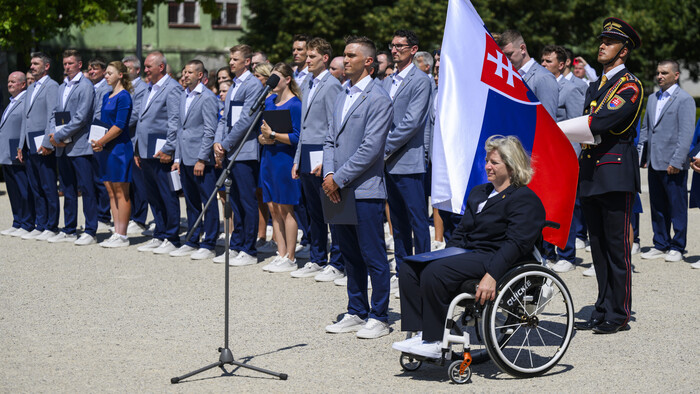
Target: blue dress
277 160
116 159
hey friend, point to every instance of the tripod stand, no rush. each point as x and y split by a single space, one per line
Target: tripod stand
226 356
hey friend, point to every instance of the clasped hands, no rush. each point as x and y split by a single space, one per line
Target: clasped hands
265 137
330 188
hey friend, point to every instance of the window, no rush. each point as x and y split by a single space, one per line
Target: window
229 16
185 14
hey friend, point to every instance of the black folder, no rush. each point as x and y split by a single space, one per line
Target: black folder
62 118
304 162
343 212
280 120
152 138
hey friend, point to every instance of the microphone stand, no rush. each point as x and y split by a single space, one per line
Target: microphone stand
226 356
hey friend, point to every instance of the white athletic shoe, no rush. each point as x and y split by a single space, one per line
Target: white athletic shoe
341 281
562 266
220 259
10 230
589 272
349 323
406 344
394 283
116 241
150 245
695 265
63 237
182 251
673 256
588 248
427 349
635 249
19 232
85 239
203 254
274 262
285 265
43 236
329 274
302 252
653 253
165 248
373 329
135 228
103 226
242 259
308 270
580 244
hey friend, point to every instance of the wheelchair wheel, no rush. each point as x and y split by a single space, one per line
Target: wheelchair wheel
409 363
456 376
529 325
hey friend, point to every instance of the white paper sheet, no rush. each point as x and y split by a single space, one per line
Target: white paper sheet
160 143
175 180
38 140
235 114
97 132
67 140
577 130
315 158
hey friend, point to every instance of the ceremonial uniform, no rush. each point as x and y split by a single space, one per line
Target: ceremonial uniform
608 179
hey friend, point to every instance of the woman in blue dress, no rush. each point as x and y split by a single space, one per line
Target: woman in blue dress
114 151
280 192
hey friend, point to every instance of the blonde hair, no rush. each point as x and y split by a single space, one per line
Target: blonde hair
514 156
286 71
264 69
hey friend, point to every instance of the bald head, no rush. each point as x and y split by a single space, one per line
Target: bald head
155 66
16 83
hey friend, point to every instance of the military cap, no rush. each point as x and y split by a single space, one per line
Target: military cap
620 30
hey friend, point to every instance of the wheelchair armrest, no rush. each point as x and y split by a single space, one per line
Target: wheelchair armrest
469 286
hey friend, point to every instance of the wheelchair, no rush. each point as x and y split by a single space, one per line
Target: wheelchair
525 331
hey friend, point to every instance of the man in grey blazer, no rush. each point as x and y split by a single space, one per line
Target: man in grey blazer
667 132
139 197
244 173
404 154
96 74
318 92
199 108
36 151
353 160
70 127
156 136
15 174
537 78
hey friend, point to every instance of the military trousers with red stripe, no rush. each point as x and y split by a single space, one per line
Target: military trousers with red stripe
608 219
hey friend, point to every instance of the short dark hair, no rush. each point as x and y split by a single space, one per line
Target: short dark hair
198 65
365 42
557 50
41 55
97 62
510 36
410 36
674 64
74 53
300 37
321 46
569 53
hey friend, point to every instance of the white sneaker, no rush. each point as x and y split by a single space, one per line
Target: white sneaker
427 349
308 270
10 230
85 239
165 248
285 265
695 265
182 251
103 226
116 241
437 245
394 283
150 245
203 254
242 259
329 274
373 329
653 253
392 265
274 261
406 344
134 228
635 249
588 248
389 243
349 323
43 236
580 244
302 252
108 240
563 266
63 237
589 272
220 259
19 232
268 247
341 281
673 256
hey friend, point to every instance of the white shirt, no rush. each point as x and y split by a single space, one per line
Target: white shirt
37 85
614 71
237 81
526 67
300 76
100 84
481 205
314 84
13 100
191 95
397 78
154 88
560 77
353 92
663 98
69 86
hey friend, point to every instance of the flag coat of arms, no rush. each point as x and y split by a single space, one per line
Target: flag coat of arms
481 94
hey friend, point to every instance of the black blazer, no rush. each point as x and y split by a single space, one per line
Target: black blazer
506 228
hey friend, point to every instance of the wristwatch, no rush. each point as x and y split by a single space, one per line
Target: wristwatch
272 135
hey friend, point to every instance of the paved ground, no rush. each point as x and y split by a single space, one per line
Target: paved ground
88 319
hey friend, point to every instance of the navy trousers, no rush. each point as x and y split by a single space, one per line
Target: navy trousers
77 173
608 219
21 200
364 251
163 200
302 217
244 175
139 197
409 215
579 222
668 200
318 229
197 190
41 173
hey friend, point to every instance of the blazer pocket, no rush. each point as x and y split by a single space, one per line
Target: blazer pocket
609 158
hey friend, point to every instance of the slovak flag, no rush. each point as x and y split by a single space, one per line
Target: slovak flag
481 94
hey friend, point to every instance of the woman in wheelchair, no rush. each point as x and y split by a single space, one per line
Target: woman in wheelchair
501 222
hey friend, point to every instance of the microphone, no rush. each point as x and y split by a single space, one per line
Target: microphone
269 85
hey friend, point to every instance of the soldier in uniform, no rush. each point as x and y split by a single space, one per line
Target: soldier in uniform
609 176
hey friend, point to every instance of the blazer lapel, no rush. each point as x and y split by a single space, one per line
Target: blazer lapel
351 110
192 105
669 102
38 92
313 98
405 82
73 89
14 107
498 198
155 96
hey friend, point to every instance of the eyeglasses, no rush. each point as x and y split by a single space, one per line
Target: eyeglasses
399 47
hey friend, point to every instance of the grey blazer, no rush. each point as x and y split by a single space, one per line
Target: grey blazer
430 122
229 137
669 138
137 97
10 131
570 100
99 95
80 104
579 83
197 128
354 147
160 117
542 82
316 116
38 113
405 146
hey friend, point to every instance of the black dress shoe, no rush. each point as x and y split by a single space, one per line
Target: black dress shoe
609 327
587 325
